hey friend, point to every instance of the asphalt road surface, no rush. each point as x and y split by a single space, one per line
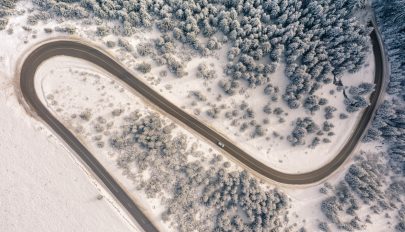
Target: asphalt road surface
83 51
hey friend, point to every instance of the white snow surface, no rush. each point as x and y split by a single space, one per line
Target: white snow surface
44 186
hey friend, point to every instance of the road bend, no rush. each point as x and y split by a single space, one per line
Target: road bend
96 56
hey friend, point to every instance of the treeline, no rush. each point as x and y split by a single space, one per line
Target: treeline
313 38
389 122
364 176
390 18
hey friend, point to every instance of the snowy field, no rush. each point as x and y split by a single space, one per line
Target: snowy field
44 187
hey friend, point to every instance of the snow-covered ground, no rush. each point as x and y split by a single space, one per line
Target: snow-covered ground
44 187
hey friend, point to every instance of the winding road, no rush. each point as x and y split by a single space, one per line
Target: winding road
96 56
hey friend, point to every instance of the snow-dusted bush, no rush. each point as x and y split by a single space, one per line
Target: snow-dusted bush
329 110
3 23
144 49
198 95
229 87
125 44
302 128
102 31
111 44
355 103
205 72
174 65
144 67
165 44
70 29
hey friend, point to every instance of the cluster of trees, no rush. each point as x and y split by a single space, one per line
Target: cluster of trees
68 28
321 46
395 194
248 69
230 192
329 112
364 176
397 158
327 126
361 187
342 202
165 44
362 89
214 111
6 9
364 179
302 128
356 100
205 72
389 18
229 86
144 49
389 124
224 200
144 67
241 115
86 115
401 218
313 103
125 44
175 66
40 16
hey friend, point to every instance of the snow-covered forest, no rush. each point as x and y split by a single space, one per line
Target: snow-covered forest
289 72
364 177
